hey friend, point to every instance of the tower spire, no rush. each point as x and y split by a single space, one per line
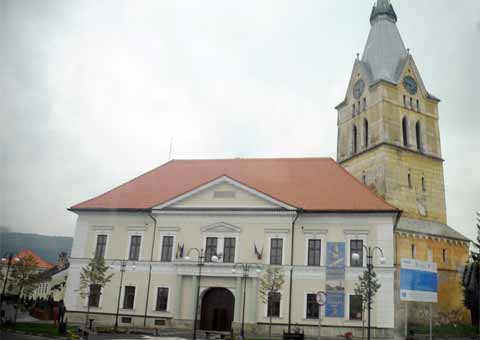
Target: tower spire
385 50
383 9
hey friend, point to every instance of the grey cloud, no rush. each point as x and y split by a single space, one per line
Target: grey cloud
91 92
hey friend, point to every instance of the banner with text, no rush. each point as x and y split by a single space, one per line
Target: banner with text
418 281
335 280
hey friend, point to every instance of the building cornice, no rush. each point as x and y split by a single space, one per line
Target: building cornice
373 147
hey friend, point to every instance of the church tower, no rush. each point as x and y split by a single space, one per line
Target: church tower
388 134
389 138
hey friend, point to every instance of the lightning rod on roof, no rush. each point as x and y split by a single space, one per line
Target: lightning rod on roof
170 151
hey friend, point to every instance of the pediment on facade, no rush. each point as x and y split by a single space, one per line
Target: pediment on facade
359 71
409 68
223 193
221 227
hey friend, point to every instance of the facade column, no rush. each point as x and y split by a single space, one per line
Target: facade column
237 317
194 296
178 297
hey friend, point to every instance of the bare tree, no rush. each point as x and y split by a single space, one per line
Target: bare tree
361 289
94 274
271 282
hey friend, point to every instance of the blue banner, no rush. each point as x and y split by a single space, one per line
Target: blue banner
335 261
335 280
418 280
335 306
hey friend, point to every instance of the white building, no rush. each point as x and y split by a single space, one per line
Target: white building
53 281
307 212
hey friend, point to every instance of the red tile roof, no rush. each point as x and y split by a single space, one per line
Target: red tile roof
317 184
41 263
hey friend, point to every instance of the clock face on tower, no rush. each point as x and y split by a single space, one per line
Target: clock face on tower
358 88
410 85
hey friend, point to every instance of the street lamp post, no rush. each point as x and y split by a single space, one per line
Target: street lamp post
356 256
200 263
10 258
123 265
245 268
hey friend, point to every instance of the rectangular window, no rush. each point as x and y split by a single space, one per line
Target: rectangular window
210 248
129 297
273 307
314 252
160 322
162 299
312 306
364 104
405 101
94 295
135 242
126 319
229 250
167 248
445 256
414 251
429 255
355 307
356 247
101 246
276 251
418 105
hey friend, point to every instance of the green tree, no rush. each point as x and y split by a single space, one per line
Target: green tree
471 281
271 281
361 289
95 273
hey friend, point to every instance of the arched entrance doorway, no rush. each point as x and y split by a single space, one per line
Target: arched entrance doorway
217 310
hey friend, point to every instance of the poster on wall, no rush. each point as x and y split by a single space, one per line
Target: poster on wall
335 306
418 281
335 261
335 280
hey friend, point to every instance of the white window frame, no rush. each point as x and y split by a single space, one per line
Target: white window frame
101 231
154 304
352 235
122 301
347 309
174 246
321 310
316 235
220 242
100 301
265 309
129 241
276 233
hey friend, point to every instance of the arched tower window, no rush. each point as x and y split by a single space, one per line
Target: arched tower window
405 131
365 132
354 139
418 133
424 188
353 110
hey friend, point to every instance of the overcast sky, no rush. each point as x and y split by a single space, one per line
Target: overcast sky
91 92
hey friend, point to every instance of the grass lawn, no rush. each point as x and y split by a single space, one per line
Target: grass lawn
447 330
41 329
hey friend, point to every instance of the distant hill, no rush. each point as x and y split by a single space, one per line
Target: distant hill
47 247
